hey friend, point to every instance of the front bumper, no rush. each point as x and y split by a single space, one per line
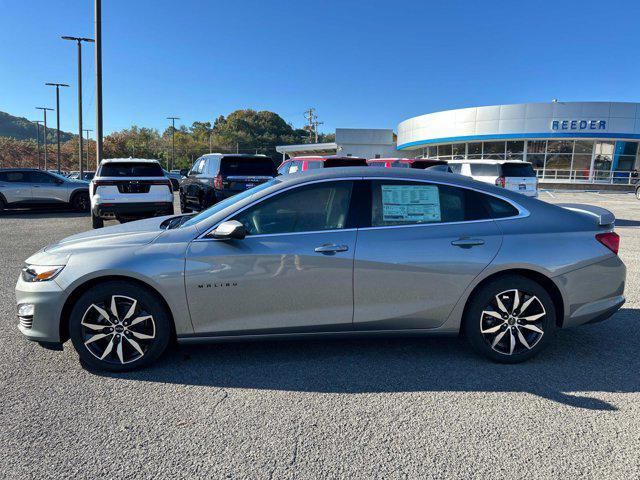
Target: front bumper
132 210
48 299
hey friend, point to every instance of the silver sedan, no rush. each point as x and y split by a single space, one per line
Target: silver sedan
347 251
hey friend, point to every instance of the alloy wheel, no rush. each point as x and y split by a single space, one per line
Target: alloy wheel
513 322
119 332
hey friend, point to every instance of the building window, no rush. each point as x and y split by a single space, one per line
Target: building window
560 146
536 159
458 151
493 150
444 151
583 147
581 166
474 150
432 152
536 146
515 150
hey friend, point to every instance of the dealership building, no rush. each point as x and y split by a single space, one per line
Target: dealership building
565 141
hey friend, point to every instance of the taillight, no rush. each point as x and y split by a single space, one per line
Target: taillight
611 240
500 182
101 183
217 182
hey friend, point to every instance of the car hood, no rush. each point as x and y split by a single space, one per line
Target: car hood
129 234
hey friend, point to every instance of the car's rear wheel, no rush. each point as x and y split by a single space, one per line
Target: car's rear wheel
510 319
80 202
183 203
638 193
119 326
96 222
2 204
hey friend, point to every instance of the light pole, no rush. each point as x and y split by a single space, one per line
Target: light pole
86 130
79 41
173 141
98 56
38 122
44 110
57 85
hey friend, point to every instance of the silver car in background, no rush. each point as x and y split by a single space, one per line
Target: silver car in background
345 251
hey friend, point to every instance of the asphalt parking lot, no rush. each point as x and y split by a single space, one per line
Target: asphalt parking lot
362 408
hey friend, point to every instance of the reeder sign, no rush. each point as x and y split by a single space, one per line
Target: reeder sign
579 125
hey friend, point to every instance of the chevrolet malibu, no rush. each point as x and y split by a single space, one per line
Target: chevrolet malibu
346 251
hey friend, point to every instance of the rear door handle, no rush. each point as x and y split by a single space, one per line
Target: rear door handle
467 242
331 248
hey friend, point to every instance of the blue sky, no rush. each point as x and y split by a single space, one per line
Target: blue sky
368 64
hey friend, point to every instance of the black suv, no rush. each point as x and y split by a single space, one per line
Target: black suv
216 176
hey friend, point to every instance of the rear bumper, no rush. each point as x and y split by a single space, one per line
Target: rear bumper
139 209
593 293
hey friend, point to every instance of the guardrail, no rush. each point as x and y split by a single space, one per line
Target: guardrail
617 177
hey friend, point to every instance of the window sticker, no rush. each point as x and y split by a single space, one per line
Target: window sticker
410 203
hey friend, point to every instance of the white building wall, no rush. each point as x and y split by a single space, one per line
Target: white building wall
527 120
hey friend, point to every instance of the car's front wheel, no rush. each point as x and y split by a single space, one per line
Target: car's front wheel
510 319
119 326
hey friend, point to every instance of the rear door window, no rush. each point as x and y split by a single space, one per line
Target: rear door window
247 166
41 177
484 170
14 177
517 170
409 203
131 169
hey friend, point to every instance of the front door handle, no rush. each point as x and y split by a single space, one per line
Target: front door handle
466 242
331 248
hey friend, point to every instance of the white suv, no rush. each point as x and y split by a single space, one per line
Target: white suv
129 189
513 175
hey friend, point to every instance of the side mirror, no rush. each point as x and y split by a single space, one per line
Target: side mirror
231 229
184 172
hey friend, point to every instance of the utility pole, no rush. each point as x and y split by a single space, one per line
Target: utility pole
312 125
38 122
86 130
173 140
58 85
98 57
44 110
79 41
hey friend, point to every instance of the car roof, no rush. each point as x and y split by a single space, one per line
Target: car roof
239 155
20 169
123 160
321 158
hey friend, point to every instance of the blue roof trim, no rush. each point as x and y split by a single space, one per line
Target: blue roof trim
503 136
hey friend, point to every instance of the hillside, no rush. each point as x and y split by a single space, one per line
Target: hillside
22 129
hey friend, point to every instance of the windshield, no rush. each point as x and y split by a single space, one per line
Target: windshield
131 169
227 202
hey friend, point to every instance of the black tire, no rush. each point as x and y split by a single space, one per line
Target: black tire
183 203
127 347
96 222
2 204
175 185
80 202
512 325
637 193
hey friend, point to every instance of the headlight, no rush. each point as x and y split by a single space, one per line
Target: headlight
40 273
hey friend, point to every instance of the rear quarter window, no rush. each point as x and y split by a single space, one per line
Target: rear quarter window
131 169
498 208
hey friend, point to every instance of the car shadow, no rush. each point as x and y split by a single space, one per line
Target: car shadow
43 213
598 358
